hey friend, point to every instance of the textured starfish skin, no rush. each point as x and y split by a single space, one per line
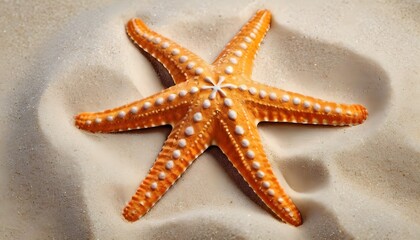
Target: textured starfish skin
215 104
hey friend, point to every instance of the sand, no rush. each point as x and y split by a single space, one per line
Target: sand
61 58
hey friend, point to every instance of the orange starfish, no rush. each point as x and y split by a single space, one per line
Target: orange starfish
215 104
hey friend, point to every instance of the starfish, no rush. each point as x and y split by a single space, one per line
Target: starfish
215 104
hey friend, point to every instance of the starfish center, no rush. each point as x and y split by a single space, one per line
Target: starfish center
217 87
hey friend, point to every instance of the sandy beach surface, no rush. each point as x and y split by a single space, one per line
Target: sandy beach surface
59 58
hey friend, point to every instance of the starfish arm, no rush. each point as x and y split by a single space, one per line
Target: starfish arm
181 63
239 53
166 107
271 104
181 148
240 142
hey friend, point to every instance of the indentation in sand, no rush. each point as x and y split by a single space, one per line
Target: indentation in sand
324 70
304 174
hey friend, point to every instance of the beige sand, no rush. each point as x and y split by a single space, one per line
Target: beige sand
58 59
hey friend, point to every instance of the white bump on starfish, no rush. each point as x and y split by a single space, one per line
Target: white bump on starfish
314 121
156 40
272 96
287 209
182 93
317 107
242 87
189 131
238 53
250 154
285 98
245 143
266 184
153 186
121 114
239 130
263 94
348 112
175 51
98 120
147 105
228 102
270 192
233 60
338 110
134 110
252 90
88 122
280 200
183 59
255 165
206 104
199 71
260 174
306 104
232 114
176 154
252 35
190 65
247 39
148 194
169 165
165 45
327 109
229 70
182 143
194 90
296 101
324 121
243 45
159 101
171 97
197 117
162 175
